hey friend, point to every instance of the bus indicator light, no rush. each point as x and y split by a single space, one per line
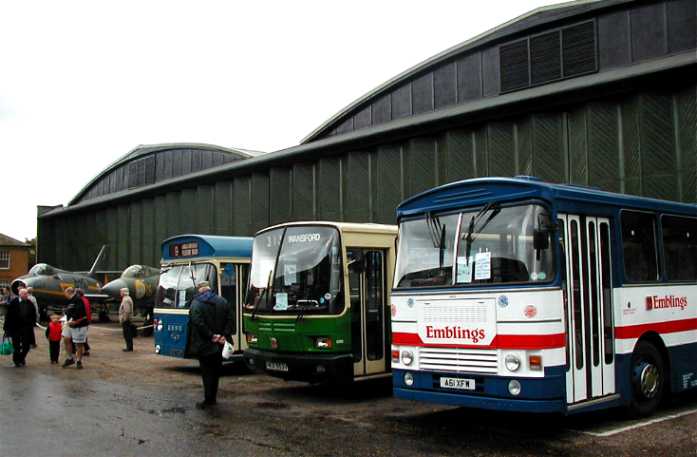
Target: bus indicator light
395 355
535 362
274 343
393 309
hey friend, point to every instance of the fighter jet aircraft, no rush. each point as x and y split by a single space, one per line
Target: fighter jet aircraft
49 283
141 281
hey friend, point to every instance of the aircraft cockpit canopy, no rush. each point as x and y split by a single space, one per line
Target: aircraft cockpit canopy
139 272
42 269
134 271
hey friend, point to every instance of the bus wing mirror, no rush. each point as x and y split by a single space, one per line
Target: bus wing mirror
540 239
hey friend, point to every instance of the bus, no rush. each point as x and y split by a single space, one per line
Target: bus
223 261
317 306
517 294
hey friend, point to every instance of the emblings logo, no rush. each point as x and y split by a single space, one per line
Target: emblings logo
669 301
474 335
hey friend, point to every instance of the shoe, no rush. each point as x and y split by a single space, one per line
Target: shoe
68 362
79 365
204 405
127 350
86 354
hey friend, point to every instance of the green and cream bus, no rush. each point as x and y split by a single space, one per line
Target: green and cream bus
317 305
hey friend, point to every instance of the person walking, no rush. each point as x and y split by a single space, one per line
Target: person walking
77 328
19 325
212 322
53 333
125 316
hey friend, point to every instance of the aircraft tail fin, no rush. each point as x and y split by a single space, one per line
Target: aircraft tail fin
97 260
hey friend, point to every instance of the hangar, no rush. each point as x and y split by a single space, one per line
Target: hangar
600 93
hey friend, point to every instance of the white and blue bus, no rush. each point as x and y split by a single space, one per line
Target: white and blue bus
517 294
223 261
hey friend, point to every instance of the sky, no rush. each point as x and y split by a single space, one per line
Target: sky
84 82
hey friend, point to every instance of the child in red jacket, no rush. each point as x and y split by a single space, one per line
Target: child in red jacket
53 333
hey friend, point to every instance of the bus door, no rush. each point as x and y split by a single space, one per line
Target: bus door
588 308
233 278
367 288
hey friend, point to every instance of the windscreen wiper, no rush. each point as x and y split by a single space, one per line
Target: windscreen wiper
266 291
473 223
301 308
437 231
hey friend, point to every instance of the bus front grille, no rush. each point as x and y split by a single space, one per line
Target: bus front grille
459 360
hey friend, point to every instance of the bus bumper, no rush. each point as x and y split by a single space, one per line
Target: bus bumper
302 367
541 395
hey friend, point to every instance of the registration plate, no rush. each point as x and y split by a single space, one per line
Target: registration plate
277 366
457 383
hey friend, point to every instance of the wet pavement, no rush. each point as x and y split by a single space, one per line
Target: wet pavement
140 404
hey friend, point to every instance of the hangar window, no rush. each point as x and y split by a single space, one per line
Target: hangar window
680 247
4 259
550 56
141 172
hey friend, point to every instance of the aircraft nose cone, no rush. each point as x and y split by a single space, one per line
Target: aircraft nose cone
113 288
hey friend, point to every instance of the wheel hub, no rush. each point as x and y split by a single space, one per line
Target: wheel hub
648 380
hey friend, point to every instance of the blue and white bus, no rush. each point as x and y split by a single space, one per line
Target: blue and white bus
223 261
517 294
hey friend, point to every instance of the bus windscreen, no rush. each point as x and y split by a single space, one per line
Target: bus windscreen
496 245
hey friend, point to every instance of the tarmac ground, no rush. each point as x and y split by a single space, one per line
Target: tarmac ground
141 404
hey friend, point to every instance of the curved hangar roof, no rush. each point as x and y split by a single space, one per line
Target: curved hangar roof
549 44
149 164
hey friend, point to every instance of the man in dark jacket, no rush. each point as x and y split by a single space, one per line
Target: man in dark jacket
19 325
212 322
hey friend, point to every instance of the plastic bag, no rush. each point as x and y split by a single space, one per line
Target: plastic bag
228 350
6 347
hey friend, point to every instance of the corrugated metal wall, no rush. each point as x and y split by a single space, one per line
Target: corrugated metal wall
645 144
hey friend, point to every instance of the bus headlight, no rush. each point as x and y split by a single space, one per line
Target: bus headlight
323 342
407 357
514 387
512 362
157 349
409 379
251 339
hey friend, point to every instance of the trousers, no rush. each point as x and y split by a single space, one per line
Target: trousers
54 350
128 334
22 340
210 374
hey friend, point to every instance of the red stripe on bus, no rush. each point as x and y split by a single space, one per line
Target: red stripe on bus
556 340
635 331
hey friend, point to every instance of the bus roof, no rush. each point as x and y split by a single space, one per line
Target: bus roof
479 191
343 227
190 246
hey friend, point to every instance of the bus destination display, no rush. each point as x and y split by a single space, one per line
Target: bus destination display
189 249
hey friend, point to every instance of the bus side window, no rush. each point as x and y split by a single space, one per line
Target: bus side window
228 286
639 246
680 247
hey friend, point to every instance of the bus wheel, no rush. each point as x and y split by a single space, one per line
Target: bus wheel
648 379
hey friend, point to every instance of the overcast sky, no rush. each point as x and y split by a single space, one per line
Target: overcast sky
82 83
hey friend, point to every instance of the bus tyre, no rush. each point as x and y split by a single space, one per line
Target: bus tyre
648 379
